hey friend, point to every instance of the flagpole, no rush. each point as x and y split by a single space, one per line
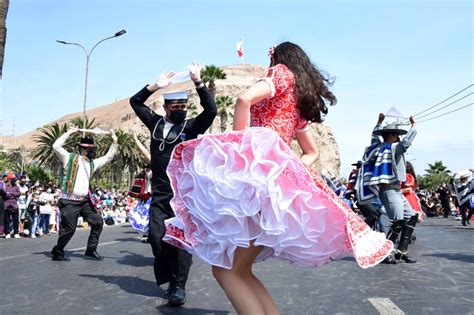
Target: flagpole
242 58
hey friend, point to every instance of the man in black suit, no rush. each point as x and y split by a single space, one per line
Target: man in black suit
171 263
444 197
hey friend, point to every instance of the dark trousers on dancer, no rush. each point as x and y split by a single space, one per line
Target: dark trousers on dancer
371 214
172 264
70 210
446 207
466 213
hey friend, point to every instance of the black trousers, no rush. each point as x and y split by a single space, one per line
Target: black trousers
172 264
70 211
371 215
466 211
15 215
446 207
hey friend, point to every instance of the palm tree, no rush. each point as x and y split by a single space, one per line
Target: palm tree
437 174
223 103
37 173
78 122
43 153
3 31
128 156
16 157
210 74
437 168
4 161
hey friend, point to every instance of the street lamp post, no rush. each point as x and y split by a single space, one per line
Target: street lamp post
88 55
22 161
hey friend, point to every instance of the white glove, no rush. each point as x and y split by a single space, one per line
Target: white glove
195 67
195 71
164 80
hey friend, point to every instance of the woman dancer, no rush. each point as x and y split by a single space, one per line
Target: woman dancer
140 214
408 190
245 196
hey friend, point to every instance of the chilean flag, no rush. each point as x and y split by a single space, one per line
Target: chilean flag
240 48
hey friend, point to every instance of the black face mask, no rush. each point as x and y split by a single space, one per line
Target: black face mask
90 153
177 116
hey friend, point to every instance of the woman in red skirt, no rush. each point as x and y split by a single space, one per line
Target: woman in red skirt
408 190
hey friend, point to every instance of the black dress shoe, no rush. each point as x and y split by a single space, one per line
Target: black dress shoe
405 258
60 258
177 297
168 292
93 254
389 260
58 255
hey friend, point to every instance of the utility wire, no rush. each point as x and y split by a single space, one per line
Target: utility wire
452 103
444 114
469 86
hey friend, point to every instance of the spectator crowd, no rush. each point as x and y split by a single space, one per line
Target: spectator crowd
30 209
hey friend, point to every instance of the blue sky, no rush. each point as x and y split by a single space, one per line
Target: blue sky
408 54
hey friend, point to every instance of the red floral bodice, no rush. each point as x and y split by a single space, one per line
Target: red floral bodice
279 112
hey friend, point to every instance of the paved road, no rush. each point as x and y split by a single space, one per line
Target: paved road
440 283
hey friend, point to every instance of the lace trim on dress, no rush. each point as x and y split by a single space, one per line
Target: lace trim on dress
270 83
303 129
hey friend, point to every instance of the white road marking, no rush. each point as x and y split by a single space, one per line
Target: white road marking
73 249
385 306
17 256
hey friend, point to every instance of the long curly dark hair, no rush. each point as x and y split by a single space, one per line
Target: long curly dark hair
410 169
312 92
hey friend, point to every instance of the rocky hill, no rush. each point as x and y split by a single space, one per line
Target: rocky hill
120 115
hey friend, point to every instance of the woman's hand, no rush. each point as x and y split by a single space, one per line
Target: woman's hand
421 217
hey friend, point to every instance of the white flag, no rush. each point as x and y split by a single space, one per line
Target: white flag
393 112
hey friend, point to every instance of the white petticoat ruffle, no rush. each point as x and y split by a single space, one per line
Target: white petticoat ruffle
247 186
